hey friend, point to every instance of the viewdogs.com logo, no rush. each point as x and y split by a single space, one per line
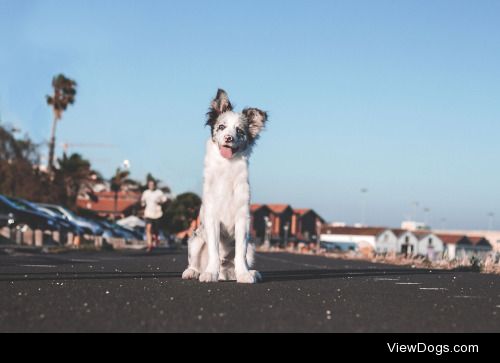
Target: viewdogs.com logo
437 349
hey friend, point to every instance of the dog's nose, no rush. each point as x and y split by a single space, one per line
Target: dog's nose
228 138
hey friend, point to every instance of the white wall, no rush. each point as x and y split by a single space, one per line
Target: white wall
346 238
386 242
412 241
438 246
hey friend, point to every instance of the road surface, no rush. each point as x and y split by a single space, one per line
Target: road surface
134 291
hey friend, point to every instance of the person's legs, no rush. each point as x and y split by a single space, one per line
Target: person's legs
156 232
149 235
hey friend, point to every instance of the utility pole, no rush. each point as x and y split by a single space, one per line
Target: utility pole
426 216
285 228
415 215
491 215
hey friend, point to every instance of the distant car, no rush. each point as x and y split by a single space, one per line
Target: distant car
18 215
115 230
107 232
65 225
87 226
6 216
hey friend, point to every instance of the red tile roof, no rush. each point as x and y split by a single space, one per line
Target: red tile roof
278 208
399 232
453 239
255 207
478 240
301 211
106 202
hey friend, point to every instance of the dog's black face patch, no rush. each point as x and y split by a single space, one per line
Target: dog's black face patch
233 132
218 106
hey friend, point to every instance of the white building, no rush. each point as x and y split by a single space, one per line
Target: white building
425 243
386 242
492 236
414 226
351 238
430 245
407 242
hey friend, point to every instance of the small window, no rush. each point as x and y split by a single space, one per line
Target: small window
407 239
430 241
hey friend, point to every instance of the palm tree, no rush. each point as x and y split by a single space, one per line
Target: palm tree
77 176
64 95
149 177
117 181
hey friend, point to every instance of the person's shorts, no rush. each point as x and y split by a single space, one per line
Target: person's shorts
155 224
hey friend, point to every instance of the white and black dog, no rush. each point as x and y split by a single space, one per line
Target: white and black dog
219 248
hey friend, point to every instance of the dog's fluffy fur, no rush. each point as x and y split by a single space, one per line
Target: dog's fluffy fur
219 248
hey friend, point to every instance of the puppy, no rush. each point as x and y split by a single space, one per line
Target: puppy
219 248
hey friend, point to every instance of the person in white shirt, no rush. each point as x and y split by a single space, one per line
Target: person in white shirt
152 199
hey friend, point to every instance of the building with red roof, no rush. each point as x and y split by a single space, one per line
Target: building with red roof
105 204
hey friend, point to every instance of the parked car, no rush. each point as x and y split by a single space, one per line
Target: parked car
19 215
87 226
115 230
6 216
65 225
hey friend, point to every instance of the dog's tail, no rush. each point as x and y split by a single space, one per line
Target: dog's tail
250 254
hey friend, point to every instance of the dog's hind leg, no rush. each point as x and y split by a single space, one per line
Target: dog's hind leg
226 272
196 249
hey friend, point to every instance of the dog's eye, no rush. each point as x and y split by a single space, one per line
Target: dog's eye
240 132
221 127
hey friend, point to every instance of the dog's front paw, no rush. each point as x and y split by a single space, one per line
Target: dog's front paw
209 277
190 274
248 277
257 275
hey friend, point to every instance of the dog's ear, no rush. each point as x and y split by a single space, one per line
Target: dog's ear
219 105
221 102
256 121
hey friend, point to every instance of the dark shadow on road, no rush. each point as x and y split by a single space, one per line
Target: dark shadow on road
269 276
153 253
52 276
75 257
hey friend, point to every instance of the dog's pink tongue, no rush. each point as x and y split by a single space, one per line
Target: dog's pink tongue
226 152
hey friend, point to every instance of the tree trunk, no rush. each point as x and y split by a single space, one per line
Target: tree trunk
52 145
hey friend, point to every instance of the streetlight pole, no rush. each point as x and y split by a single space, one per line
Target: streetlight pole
426 216
491 215
415 216
267 232
285 227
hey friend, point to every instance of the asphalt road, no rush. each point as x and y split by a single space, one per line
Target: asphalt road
138 292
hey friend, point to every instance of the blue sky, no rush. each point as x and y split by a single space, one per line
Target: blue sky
399 97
